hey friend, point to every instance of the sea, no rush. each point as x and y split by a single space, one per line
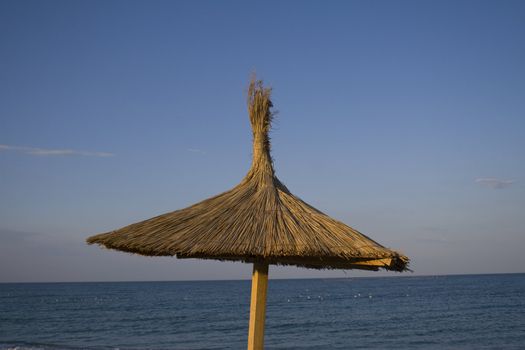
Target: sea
433 312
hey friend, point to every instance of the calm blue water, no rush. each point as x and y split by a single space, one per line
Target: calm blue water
447 312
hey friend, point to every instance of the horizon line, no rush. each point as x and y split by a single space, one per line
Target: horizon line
276 279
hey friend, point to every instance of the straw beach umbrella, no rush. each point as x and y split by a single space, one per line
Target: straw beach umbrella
260 222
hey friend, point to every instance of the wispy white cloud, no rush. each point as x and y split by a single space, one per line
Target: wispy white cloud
493 182
196 150
44 152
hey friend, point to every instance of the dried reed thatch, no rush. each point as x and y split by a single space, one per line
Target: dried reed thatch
259 220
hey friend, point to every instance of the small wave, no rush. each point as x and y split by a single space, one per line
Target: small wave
14 346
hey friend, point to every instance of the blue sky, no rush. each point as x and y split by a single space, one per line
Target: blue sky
403 119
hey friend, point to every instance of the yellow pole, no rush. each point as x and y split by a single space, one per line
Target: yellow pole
258 306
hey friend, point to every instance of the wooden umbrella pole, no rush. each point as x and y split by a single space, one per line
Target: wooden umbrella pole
258 306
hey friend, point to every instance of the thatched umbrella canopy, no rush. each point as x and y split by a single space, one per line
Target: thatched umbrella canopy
258 221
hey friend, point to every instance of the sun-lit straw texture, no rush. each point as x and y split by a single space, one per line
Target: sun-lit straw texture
258 220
